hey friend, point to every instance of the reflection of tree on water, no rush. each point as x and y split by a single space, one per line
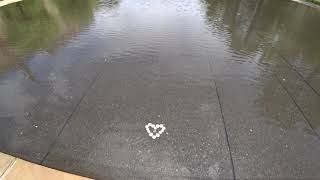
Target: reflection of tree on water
255 26
34 25
238 18
296 31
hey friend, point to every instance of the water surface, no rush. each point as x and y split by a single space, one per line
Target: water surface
236 82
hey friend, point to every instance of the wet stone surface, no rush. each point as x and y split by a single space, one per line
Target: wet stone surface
236 84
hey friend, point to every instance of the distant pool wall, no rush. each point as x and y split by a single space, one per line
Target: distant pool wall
307 4
7 2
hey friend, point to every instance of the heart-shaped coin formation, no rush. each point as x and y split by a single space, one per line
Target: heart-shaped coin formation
154 133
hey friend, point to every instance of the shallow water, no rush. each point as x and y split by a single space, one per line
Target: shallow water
260 57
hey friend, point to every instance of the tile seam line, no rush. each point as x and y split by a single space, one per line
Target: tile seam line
299 108
292 67
223 121
274 73
37 104
289 94
98 75
7 169
299 74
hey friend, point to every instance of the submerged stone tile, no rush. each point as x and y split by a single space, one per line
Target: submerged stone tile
108 130
269 137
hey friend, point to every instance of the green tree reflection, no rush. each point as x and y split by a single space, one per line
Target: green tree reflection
34 25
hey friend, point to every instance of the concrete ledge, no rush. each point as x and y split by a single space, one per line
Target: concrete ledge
12 168
307 4
6 2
